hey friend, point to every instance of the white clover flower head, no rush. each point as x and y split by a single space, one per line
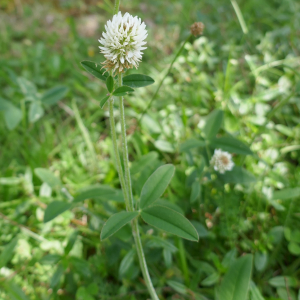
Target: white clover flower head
123 42
222 161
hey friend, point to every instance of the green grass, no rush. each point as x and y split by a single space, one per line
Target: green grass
253 78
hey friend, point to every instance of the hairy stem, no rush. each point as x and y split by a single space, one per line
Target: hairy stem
116 9
134 223
142 260
116 152
125 148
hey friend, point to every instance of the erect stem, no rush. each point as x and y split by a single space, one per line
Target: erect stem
116 152
162 81
134 223
142 260
125 148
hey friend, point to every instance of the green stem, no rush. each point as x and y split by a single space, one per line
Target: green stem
116 153
116 9
134 223
125 148
142 260
162 81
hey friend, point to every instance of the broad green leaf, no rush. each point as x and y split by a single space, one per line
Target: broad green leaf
36 111
126 262
116 222
213 123
137 80
164 146
190 144
50 259
8 252
12 114
54 282
122 91
71 242
95 69
283 281
237 175
156 185
171 221
14 291
195 193
48 177
94 191
110 83
54 209
103 101
231 144
54 95
236 282
286 194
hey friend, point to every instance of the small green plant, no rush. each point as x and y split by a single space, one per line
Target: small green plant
122 44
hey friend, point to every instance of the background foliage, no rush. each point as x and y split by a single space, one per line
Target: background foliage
55 145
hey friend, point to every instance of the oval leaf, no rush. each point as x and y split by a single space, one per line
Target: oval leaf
137 80
156 185
235 284
54 209
95 69
116 222
213 123
103 101
54 95
122 91
230 144
171 221
110 83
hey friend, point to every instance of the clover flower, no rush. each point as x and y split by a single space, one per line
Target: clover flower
123 42
197 28
222 161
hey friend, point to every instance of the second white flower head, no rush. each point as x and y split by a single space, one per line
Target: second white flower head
222 161
123 42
